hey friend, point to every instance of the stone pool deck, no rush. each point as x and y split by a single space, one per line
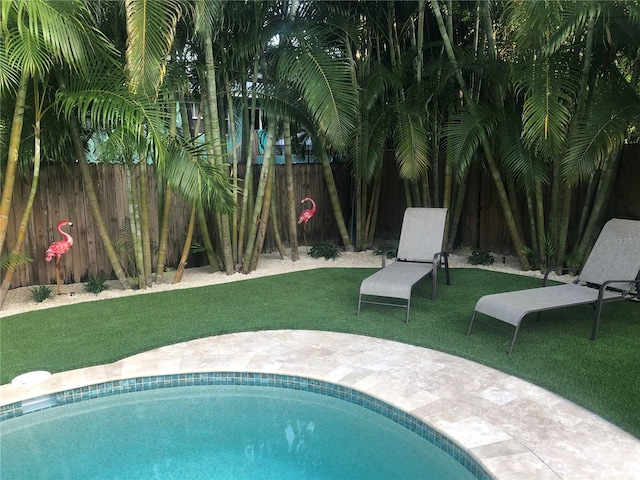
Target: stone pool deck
515 429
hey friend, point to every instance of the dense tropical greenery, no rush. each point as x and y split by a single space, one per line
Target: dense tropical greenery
541 95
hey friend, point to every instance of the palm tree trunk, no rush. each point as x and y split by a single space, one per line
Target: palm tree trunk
22 232
256 231
454 218
12 157
168 193
144 221
273 217
206 239
586 206
291 200
563 229
603 193
532 227
187 245
506 207
248 174
164 233
335 199
134 224
491 163
372 217
90 191
234 159
215 151
543 254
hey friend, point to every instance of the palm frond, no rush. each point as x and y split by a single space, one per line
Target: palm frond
366 150
549 87
13 261
599 132
106 102
9 73
62 31
526 168
188 172
150 31
573 16
462 135
410 139
378 80
325 85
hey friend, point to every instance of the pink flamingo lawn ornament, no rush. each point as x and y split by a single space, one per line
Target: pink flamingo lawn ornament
59 248
305 216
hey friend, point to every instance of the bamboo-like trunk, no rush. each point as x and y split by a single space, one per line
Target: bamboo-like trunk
603 193
145 235
12 157
372 218
273 216
134 224
26 214
263 202
187 245
215 148
291 200
454 217
491 162
335 199
246 211
234 166
563 228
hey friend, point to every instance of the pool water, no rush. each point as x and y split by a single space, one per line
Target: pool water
221 432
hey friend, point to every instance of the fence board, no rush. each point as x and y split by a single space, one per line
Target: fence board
61 194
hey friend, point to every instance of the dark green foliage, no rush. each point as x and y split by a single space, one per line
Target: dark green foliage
479 257
325 249
96 284
391 249
41 292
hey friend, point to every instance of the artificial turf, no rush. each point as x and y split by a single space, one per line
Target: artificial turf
554 352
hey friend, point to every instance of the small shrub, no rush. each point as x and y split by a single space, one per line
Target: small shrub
325 249
41 292
390 248
96 284
478 257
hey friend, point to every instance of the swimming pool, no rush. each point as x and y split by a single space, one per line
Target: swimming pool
260 432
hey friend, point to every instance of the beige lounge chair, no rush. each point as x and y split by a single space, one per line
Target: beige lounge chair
419 255
610 273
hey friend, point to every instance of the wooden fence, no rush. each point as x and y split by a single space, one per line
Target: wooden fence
61 195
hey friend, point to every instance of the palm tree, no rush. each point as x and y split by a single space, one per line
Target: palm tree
576 104
126 103
35 38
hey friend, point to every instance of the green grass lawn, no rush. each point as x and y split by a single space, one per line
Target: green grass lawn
554 352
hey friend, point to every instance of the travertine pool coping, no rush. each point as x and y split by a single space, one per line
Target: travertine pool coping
515 429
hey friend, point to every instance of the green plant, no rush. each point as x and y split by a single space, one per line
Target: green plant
96 284
391 249
479 257
41 292
325 249
363 245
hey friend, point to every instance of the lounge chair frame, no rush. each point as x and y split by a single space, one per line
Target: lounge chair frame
616 250
418 256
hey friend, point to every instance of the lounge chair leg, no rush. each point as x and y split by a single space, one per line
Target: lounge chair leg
359 300
434 282
408 308
596 321
446 268
471 324
513 340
